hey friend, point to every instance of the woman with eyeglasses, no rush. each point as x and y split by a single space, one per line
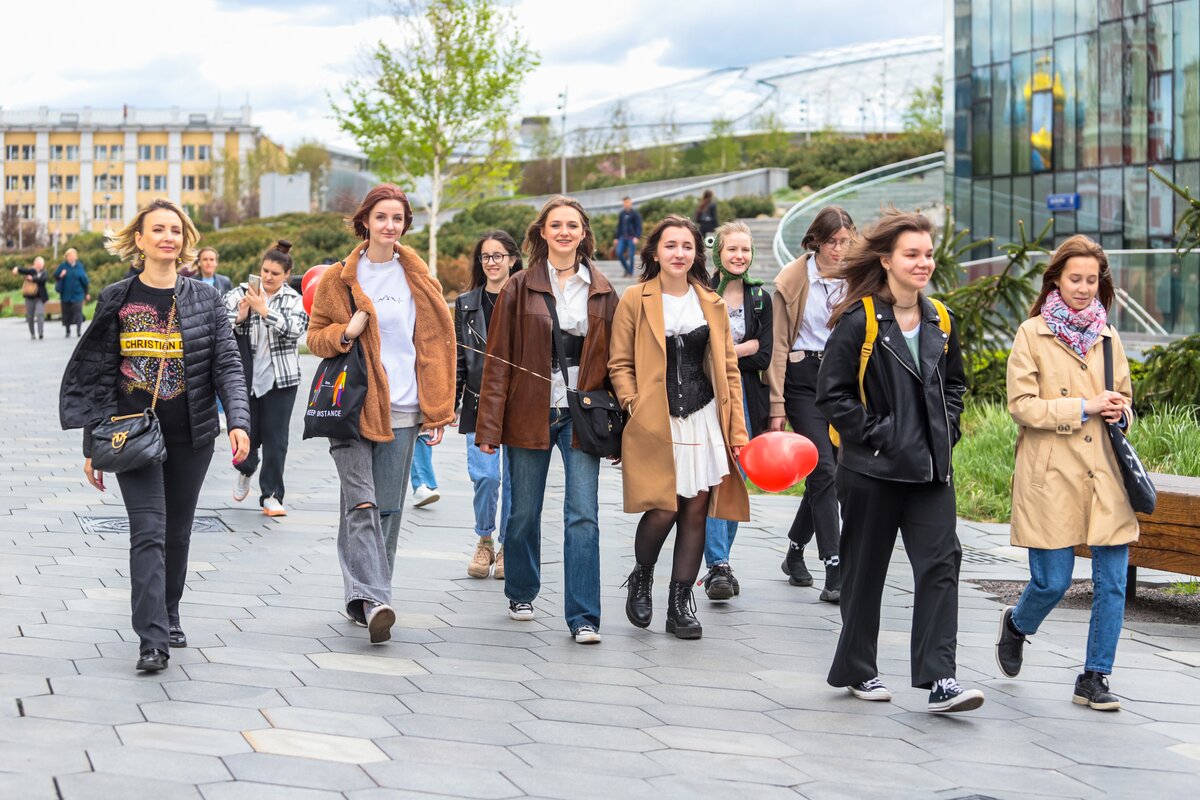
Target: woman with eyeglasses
496 257
806 292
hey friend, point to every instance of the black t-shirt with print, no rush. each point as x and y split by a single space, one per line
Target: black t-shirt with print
145 342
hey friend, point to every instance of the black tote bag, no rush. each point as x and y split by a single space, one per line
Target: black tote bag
338 390
1142 495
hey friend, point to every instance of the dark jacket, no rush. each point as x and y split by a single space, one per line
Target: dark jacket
706 218
759 316
629 224
221 283
514 405
910 424
39 277
71 282
211 364
469 330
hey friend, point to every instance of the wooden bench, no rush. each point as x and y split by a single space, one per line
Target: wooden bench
53 309
1170 537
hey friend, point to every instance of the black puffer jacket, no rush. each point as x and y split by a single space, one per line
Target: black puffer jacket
211 364
471 330
910 424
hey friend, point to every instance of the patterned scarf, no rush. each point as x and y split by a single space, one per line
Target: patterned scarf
1079 330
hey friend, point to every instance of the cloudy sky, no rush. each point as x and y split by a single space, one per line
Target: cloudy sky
286 57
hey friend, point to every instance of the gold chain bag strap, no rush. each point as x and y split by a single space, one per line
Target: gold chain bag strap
133 441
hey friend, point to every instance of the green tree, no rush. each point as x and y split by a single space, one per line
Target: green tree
924 112
438 104
311 157
721 149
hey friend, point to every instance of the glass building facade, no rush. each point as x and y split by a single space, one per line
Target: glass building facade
1080 97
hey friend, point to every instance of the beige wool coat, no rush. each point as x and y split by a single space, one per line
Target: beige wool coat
637 368
1067 487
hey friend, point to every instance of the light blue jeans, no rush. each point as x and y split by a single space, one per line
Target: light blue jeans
490 475
581 529
422 466
1050 577
719 533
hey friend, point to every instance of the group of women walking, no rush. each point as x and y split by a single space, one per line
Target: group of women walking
691 361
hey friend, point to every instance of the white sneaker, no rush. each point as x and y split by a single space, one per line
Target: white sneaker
380 619
241 487
521 612
585 634
870 689
423 496
274 508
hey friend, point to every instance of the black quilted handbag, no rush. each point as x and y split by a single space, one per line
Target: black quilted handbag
133 441
1143 497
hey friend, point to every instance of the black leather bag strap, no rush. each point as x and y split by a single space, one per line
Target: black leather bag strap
1108 364
559 341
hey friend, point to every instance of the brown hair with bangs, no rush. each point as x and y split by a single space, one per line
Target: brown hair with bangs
863 268
535 244
698 273
384 191
1078 246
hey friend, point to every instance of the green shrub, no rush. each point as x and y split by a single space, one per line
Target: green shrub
987 376
1170 375
1169 441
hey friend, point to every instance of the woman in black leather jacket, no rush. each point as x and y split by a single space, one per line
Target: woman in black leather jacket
894 466
158 334
496 257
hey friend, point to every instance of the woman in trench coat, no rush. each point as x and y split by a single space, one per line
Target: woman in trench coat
686 424
1067 487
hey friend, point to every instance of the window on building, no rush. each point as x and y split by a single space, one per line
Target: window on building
1087 72
72 183
203 182
160 183
144 151
10 183
203 152
189 152
12 211
100 183
160 152
115 212
29 182
56 183
72 152
1021 22
56 152
1137 90
12 152
1187 79
116 183
100 212
1002 120
72 211
981 26
99 153
189 183
143 183
55 211
116 152
28 152
27 211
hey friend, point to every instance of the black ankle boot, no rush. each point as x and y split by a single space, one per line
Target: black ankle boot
681 612
639 606
793 566
832 593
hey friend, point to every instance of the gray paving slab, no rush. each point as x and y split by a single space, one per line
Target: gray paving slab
104 786
290 771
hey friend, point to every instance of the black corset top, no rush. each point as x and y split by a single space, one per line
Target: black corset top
688 388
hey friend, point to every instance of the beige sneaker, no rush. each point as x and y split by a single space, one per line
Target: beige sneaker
481 562
498 569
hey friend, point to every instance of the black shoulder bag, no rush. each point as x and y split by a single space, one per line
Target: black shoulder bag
335 399
133 441
1142 495
596 416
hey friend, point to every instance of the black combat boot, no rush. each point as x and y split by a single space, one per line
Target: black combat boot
681 612
639 606
793 566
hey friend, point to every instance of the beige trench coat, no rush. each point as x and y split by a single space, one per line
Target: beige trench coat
1067 487
637 367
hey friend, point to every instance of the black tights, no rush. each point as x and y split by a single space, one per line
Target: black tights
655 526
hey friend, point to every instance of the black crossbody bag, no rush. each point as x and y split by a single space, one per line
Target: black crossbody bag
1142 495
596 416
338 390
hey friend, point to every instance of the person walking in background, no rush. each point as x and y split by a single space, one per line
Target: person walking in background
424 480
629 231
72 285
806 292
750 324
524 407
206 271
269 314
897 428
1067 485
383 296
679 450
496 257
706 213
164 342
33 289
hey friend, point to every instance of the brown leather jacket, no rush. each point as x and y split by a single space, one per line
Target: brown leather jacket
514 405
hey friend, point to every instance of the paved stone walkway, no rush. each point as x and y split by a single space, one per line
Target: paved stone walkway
280 697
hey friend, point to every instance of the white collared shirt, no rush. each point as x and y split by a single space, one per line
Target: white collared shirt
823 295
570 302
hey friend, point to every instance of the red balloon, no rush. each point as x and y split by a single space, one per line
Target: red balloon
310 292
778 460
313 275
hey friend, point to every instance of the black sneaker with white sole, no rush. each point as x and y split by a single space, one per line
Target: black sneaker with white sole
870 689
521 612
947 696
1091 690
1009 645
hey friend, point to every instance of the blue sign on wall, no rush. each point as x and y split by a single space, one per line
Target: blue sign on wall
1063 202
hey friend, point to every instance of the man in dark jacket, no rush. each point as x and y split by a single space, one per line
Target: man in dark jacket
629 230
72 284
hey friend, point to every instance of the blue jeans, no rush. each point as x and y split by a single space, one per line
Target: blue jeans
581 529
491 477
626 250
1049 579
719 533
422 465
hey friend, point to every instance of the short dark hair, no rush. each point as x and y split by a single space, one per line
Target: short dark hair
828 221
384 191
478 278
650 266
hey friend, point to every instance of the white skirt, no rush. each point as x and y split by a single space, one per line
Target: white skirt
700 460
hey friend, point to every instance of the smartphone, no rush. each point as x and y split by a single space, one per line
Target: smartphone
256 283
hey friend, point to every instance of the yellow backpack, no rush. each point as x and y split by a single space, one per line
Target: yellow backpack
868 347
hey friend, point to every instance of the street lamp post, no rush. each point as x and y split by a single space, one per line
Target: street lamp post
562 107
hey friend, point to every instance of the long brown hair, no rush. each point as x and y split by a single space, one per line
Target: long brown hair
825 225
863 269
698 273
535 244
384 191
478 277
1076 247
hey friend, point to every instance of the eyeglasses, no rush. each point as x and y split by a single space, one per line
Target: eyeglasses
837 244
498 258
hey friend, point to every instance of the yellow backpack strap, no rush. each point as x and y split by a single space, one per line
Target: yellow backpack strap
943 321
868 346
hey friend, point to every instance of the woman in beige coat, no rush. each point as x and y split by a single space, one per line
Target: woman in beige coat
673 367
1067 487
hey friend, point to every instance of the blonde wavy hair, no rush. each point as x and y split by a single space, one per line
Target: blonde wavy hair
123 245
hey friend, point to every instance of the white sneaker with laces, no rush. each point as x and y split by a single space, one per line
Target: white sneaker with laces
423 496
241 487
586 634
871 689
274 508
521 612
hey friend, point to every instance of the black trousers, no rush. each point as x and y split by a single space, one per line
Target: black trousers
72 314
818 512
161 503
269 419
872 510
